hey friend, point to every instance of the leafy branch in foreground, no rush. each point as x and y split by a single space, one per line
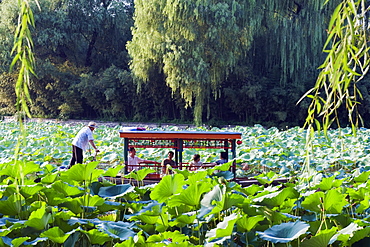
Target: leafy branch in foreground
23 46
23 49
347 62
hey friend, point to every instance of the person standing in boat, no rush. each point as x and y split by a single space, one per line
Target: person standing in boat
81 142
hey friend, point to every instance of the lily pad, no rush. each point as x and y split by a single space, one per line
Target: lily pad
285 232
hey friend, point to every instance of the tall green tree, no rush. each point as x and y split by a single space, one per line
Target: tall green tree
195 43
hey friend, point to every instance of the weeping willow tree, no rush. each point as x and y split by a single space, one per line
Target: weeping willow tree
195 43
290 36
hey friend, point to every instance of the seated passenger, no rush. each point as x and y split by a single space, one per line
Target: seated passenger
168 161
134 161
223 158
195 163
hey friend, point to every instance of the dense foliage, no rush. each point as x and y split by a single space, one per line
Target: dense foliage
270 52
41 204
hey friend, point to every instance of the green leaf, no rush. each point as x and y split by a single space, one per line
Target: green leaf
253 189
359 235
175 236
213 201
90 201
115 191
11 206
117 231
167 187
55 234
277 198
66 189
190 196
19 241
97 237
38 219
362 178
183 220
329 182
20 169
30 190
112 172
140 174
345 233
285 232
246 224
223 229
82 172
334 202
313 202
321 239
267 178
49 178
73 205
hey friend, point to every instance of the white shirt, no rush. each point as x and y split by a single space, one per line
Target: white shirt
134 162
82 138
193 163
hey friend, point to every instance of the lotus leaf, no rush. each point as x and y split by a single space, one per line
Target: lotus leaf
172 237
246 224
11 205
82 172
73 205
15 242
213 201
267 178
6 220
334 202
358 236
38 219
329 182
67 189
198 176
321 239
253 189
120 231
113 171
227 175
362 177
313 202
140 174
54 198
49 178
285 232
345 233
55 234
223 229
30 190
183 220
190 196
20 169
234 200
277 198
115 191
168 186
97 237
35 241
